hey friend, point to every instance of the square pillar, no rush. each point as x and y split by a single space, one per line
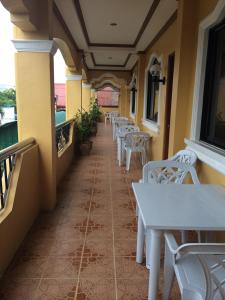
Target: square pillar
73 94
35 108
86 95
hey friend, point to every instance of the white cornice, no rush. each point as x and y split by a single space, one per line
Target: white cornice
86 85
47 46
74 77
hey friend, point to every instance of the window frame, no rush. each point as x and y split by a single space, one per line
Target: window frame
209 154
151 124
133 96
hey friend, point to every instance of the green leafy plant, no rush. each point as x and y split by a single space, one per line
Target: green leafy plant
94 111
83 126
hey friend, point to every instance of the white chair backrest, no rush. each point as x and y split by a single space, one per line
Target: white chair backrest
185 156
167 171
136 140
127 128
119 119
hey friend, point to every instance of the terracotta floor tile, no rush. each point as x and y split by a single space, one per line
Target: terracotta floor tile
125 248
68 247
56 289
132 289
95 247
37 247
27 267
123 233
96 289
127 268
62 267
97 266
19 289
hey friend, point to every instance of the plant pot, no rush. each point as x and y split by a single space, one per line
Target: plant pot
94 130
85 147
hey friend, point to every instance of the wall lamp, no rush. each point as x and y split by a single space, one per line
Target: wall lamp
155 70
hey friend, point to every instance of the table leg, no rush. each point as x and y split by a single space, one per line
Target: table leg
154 263
140 240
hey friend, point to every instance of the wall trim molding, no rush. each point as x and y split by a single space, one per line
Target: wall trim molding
38 46
209 156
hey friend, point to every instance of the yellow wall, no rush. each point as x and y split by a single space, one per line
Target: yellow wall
22 206
181 37
65 158
162 48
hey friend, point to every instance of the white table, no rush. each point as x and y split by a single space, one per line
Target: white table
174 207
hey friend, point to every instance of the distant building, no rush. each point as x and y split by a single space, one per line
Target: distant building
60 95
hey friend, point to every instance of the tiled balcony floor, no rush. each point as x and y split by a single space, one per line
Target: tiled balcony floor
85 248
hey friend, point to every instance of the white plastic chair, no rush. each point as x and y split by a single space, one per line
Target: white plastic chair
135 142
186 156
114 114
117 122
121 132
167 172
107 117
199 268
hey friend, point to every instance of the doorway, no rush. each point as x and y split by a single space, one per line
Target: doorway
169 92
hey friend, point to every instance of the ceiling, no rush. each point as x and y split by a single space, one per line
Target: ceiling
112 32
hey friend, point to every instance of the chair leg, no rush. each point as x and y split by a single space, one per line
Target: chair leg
184 236
168 273
143 158
128 157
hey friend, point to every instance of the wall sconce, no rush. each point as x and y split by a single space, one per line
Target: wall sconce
133 89
155 70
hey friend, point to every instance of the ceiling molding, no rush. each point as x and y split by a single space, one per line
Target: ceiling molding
141 31
171 20
65 27
108 65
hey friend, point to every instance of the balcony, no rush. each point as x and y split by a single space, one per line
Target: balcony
85 248
67 222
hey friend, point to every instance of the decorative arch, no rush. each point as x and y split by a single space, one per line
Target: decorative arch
105 75
66 53
109 83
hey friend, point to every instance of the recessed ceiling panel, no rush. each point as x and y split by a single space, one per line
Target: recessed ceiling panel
110 57
129 16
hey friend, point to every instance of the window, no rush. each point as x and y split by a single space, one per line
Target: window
152 97
213 113
133 98
108 97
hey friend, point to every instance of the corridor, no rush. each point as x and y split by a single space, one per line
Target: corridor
85 248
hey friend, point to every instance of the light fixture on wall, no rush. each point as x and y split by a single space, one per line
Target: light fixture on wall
155 70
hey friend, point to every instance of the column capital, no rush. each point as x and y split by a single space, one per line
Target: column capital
38 46
86 85
75 77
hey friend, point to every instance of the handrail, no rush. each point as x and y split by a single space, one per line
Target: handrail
63 134
16 148
7 163
64 123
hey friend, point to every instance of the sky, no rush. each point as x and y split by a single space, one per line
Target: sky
7 50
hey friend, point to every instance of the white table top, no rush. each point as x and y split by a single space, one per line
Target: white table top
181 206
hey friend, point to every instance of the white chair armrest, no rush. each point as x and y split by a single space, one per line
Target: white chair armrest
193 248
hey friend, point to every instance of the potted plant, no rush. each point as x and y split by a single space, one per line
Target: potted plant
83 129
95 114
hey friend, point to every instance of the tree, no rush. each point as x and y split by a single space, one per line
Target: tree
8 97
